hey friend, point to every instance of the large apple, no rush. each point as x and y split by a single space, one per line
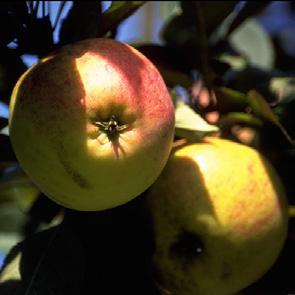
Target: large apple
219 219
92 124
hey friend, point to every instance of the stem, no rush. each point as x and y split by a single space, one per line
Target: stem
59 12
206 69
35 9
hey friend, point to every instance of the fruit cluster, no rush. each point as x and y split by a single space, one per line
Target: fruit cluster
93 126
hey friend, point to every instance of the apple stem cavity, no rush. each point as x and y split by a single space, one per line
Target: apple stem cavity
111 127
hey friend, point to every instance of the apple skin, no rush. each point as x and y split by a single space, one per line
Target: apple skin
53 127
219 218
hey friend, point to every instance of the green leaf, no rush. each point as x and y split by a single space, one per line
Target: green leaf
189 124
230 100
239 118
19 190
9 238
262 110
11 272
248 10
116 13
168 9
283 88
254 43
12 219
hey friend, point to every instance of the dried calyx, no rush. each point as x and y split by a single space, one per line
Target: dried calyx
111 127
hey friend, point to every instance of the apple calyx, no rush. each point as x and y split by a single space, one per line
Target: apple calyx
111 127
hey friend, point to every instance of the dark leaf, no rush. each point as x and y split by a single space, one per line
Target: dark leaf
11 28
248 77
180 33
11 68
37 37
83 21
251 8
6 150
169 64
118 245
285 113
42 210
17 8
13 15
116 13
3 122
214 12
49 262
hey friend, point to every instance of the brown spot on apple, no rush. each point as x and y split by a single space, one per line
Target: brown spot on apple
187 247
76 176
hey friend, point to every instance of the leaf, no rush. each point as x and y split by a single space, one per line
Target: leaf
189 124
292 211
262 110
3 122
11 220
5 130
11 68
254 43
116 13
6 151
11 271
49 262
83 21
239 118
248 10
283 88
12 17
214 12
230 100
168 63
37 37
7 35
18 189
168 9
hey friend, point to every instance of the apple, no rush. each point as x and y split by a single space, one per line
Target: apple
92 124
219 218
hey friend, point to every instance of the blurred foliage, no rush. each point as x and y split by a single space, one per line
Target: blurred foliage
203 54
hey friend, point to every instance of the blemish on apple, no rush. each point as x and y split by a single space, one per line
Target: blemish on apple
187 247
76 176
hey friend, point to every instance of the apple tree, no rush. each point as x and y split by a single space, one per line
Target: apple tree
227 78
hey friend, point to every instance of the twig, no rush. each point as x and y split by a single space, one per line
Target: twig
59 12
200 24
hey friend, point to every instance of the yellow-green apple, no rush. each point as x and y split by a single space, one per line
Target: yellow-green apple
219 218
92 124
